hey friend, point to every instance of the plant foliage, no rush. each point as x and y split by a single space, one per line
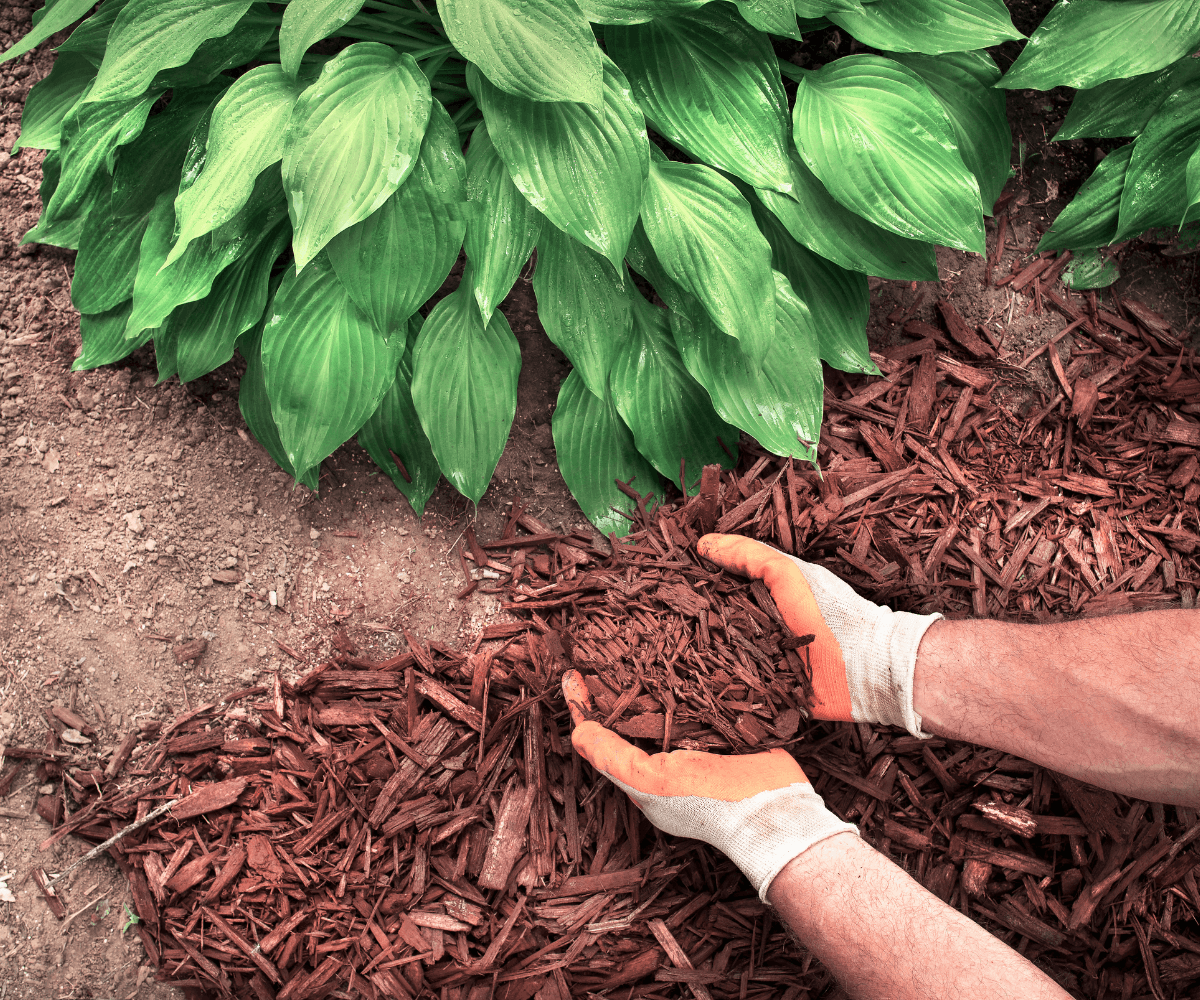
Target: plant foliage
289 180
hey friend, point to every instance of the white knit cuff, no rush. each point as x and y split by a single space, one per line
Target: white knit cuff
880 667
759 834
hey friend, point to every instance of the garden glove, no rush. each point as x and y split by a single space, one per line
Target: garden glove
863 655
759 810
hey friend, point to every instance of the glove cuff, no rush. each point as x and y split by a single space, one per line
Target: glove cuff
880 675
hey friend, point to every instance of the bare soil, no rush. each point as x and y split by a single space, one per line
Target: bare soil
120 501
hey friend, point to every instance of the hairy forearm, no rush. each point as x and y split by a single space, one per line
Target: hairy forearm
1112 701
886 938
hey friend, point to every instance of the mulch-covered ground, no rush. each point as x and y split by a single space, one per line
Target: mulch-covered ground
387 829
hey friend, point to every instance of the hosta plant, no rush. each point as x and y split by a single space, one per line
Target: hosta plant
1136 67
289 181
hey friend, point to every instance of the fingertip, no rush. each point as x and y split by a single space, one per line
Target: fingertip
579 699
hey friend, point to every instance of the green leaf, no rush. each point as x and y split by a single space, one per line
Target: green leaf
965 84
106 264
828 228
811 13
245 136
159 288
50 100
326 367
151 163
584 307
929 26
91 134
1087 269
582 167
104 340
634 11
353 138
1155 189
91 37
594 448
1082 43
256 407
704 234
394 429
779 402
1119 108
216 55
151 35
1192 207
776 17
309 21
396 258
465 389
203 333
56 17
710 84
838 299
541 50
668 411
1090 218
503 227
877 138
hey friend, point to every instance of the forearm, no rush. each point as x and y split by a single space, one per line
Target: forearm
886 938
1112 701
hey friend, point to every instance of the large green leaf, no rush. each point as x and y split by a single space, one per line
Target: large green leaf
242 45
91 37
583 305
811 13
877 138
106 264
244 137
308 21
1088 269
838 299
1082 43
1119 108
396 258
502 228
1192 207
830 229
159 288
1090 218
669 412
542 50
594 449
965 84
1155 191
704 234
775 17
465 389
393 433
51 99
91 135
151 35
582 167
352 139
55 17
256 407
779 402
103 337
326 367
202 334
930 26
710 84
634 11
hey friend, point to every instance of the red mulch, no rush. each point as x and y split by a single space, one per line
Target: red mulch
420 824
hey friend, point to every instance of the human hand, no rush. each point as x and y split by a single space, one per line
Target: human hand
759 810
863 655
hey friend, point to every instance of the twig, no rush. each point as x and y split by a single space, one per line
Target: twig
101 848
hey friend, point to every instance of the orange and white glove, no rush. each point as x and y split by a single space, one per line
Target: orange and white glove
759 810
863 655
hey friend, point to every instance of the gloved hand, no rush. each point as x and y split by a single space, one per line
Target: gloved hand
759 810
863 656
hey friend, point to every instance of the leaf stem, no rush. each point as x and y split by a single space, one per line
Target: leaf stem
791 71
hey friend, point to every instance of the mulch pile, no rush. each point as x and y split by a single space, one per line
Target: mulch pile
388 829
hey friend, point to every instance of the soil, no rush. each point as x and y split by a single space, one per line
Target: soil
121 501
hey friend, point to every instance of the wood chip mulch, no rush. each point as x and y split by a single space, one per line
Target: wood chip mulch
420 825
